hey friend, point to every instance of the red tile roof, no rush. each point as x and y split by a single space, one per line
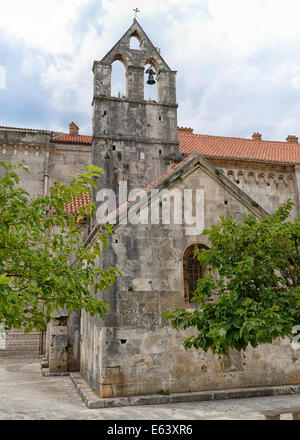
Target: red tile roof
209 146
78 201
72 139
238 148
219 146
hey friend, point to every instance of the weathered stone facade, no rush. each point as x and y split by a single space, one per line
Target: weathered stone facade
269 184
133 349
17 342
48 161
131 134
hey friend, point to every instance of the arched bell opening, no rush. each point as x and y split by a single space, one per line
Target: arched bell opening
118 78
150 83
135 43
193 270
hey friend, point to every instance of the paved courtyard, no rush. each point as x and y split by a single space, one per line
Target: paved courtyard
26 395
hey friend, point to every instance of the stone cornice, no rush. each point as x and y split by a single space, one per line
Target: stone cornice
51 147
132 139
26 146
111 98
238 160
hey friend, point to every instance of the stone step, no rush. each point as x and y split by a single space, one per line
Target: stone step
44 364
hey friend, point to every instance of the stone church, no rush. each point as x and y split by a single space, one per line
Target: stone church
133 350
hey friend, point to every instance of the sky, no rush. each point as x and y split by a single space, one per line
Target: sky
237 61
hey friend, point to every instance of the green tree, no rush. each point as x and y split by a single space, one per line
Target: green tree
38 240
257 286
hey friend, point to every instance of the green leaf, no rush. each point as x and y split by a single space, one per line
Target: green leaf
36 275
5 280
257 264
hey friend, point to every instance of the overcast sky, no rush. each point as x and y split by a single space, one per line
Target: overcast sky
238 61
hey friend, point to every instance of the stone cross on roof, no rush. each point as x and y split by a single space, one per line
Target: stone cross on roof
136 11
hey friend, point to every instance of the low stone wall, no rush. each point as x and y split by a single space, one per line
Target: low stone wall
16 342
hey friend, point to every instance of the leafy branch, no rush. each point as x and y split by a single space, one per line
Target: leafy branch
38 239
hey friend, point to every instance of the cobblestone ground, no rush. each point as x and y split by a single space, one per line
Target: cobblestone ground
26 395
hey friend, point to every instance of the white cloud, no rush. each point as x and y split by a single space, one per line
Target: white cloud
2 78
295 81
237 61
41 24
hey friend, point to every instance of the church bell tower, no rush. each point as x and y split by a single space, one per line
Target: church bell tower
133 136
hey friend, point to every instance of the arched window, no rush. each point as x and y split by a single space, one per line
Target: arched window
150 90
192 271
118 79
290 184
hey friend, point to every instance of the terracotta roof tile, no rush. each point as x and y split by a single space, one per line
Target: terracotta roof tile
209 146
238 148
73 139
78 201
219 146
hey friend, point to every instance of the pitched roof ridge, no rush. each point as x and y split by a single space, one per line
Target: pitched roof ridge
61 133
236 137
26 129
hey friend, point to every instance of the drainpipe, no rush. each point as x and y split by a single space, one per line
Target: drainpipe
46 182
297 188
46 172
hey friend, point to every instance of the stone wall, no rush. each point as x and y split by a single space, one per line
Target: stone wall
16 342
47 162
131 135
268 184
134 350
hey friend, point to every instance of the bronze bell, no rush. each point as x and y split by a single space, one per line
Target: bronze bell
151 73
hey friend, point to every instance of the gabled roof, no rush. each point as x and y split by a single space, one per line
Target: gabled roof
238 148
171 177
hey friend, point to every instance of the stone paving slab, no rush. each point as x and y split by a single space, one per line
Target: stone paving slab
26 395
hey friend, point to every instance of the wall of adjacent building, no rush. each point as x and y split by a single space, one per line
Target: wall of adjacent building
47 162
269 184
